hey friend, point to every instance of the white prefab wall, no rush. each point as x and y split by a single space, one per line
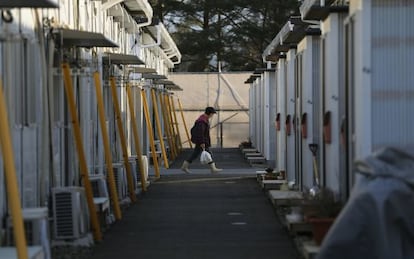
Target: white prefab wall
290 111
281 110
266 115
362 79
268 110
391 72
309 48
271 75
42 130
331 28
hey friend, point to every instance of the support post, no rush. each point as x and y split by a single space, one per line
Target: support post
179 146
185 124
107 150
166 125
80 150
12 188
170 122
118 118
151 135
137 141
159 130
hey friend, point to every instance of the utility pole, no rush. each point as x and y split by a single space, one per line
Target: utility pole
219 134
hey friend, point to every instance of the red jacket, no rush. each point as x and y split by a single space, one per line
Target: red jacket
200 132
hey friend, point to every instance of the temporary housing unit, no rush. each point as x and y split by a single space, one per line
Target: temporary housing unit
333 99
268 114
287 123
51 63
308 104
379 76
273 56
298 97
257 134
262 105
254 119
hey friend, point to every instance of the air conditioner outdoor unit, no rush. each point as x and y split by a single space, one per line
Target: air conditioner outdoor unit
134 170
99 186
70 212
35 222
120 182
144 160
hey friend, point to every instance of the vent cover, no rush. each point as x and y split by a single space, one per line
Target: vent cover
70 213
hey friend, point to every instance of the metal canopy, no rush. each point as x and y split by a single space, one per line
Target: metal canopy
154 76
121 59
312 10
143 70
173 87
251 79
163 82
29 4
75 38
294 30
169 85
259 71
248 81
275 58
288 37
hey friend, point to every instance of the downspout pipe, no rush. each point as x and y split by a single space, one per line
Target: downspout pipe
146 7
172 50
178 55
110 3
168 60
143 4
271 47
158 41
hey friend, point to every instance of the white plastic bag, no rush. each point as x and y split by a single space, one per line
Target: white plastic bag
205 157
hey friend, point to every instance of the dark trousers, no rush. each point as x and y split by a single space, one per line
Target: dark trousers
196 153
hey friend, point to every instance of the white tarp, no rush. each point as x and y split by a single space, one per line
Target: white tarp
224 91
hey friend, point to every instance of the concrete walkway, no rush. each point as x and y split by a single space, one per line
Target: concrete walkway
200 215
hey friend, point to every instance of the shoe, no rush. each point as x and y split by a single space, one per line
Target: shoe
214 169
184 167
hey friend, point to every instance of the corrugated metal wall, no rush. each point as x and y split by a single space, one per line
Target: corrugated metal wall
272 116
290 111
392 62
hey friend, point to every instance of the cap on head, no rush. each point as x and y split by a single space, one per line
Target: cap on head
210 110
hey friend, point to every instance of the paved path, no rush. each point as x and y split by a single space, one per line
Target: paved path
199 216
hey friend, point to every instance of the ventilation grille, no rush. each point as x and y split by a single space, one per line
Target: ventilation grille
29 233
63 214
95 188
119 175
70 212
